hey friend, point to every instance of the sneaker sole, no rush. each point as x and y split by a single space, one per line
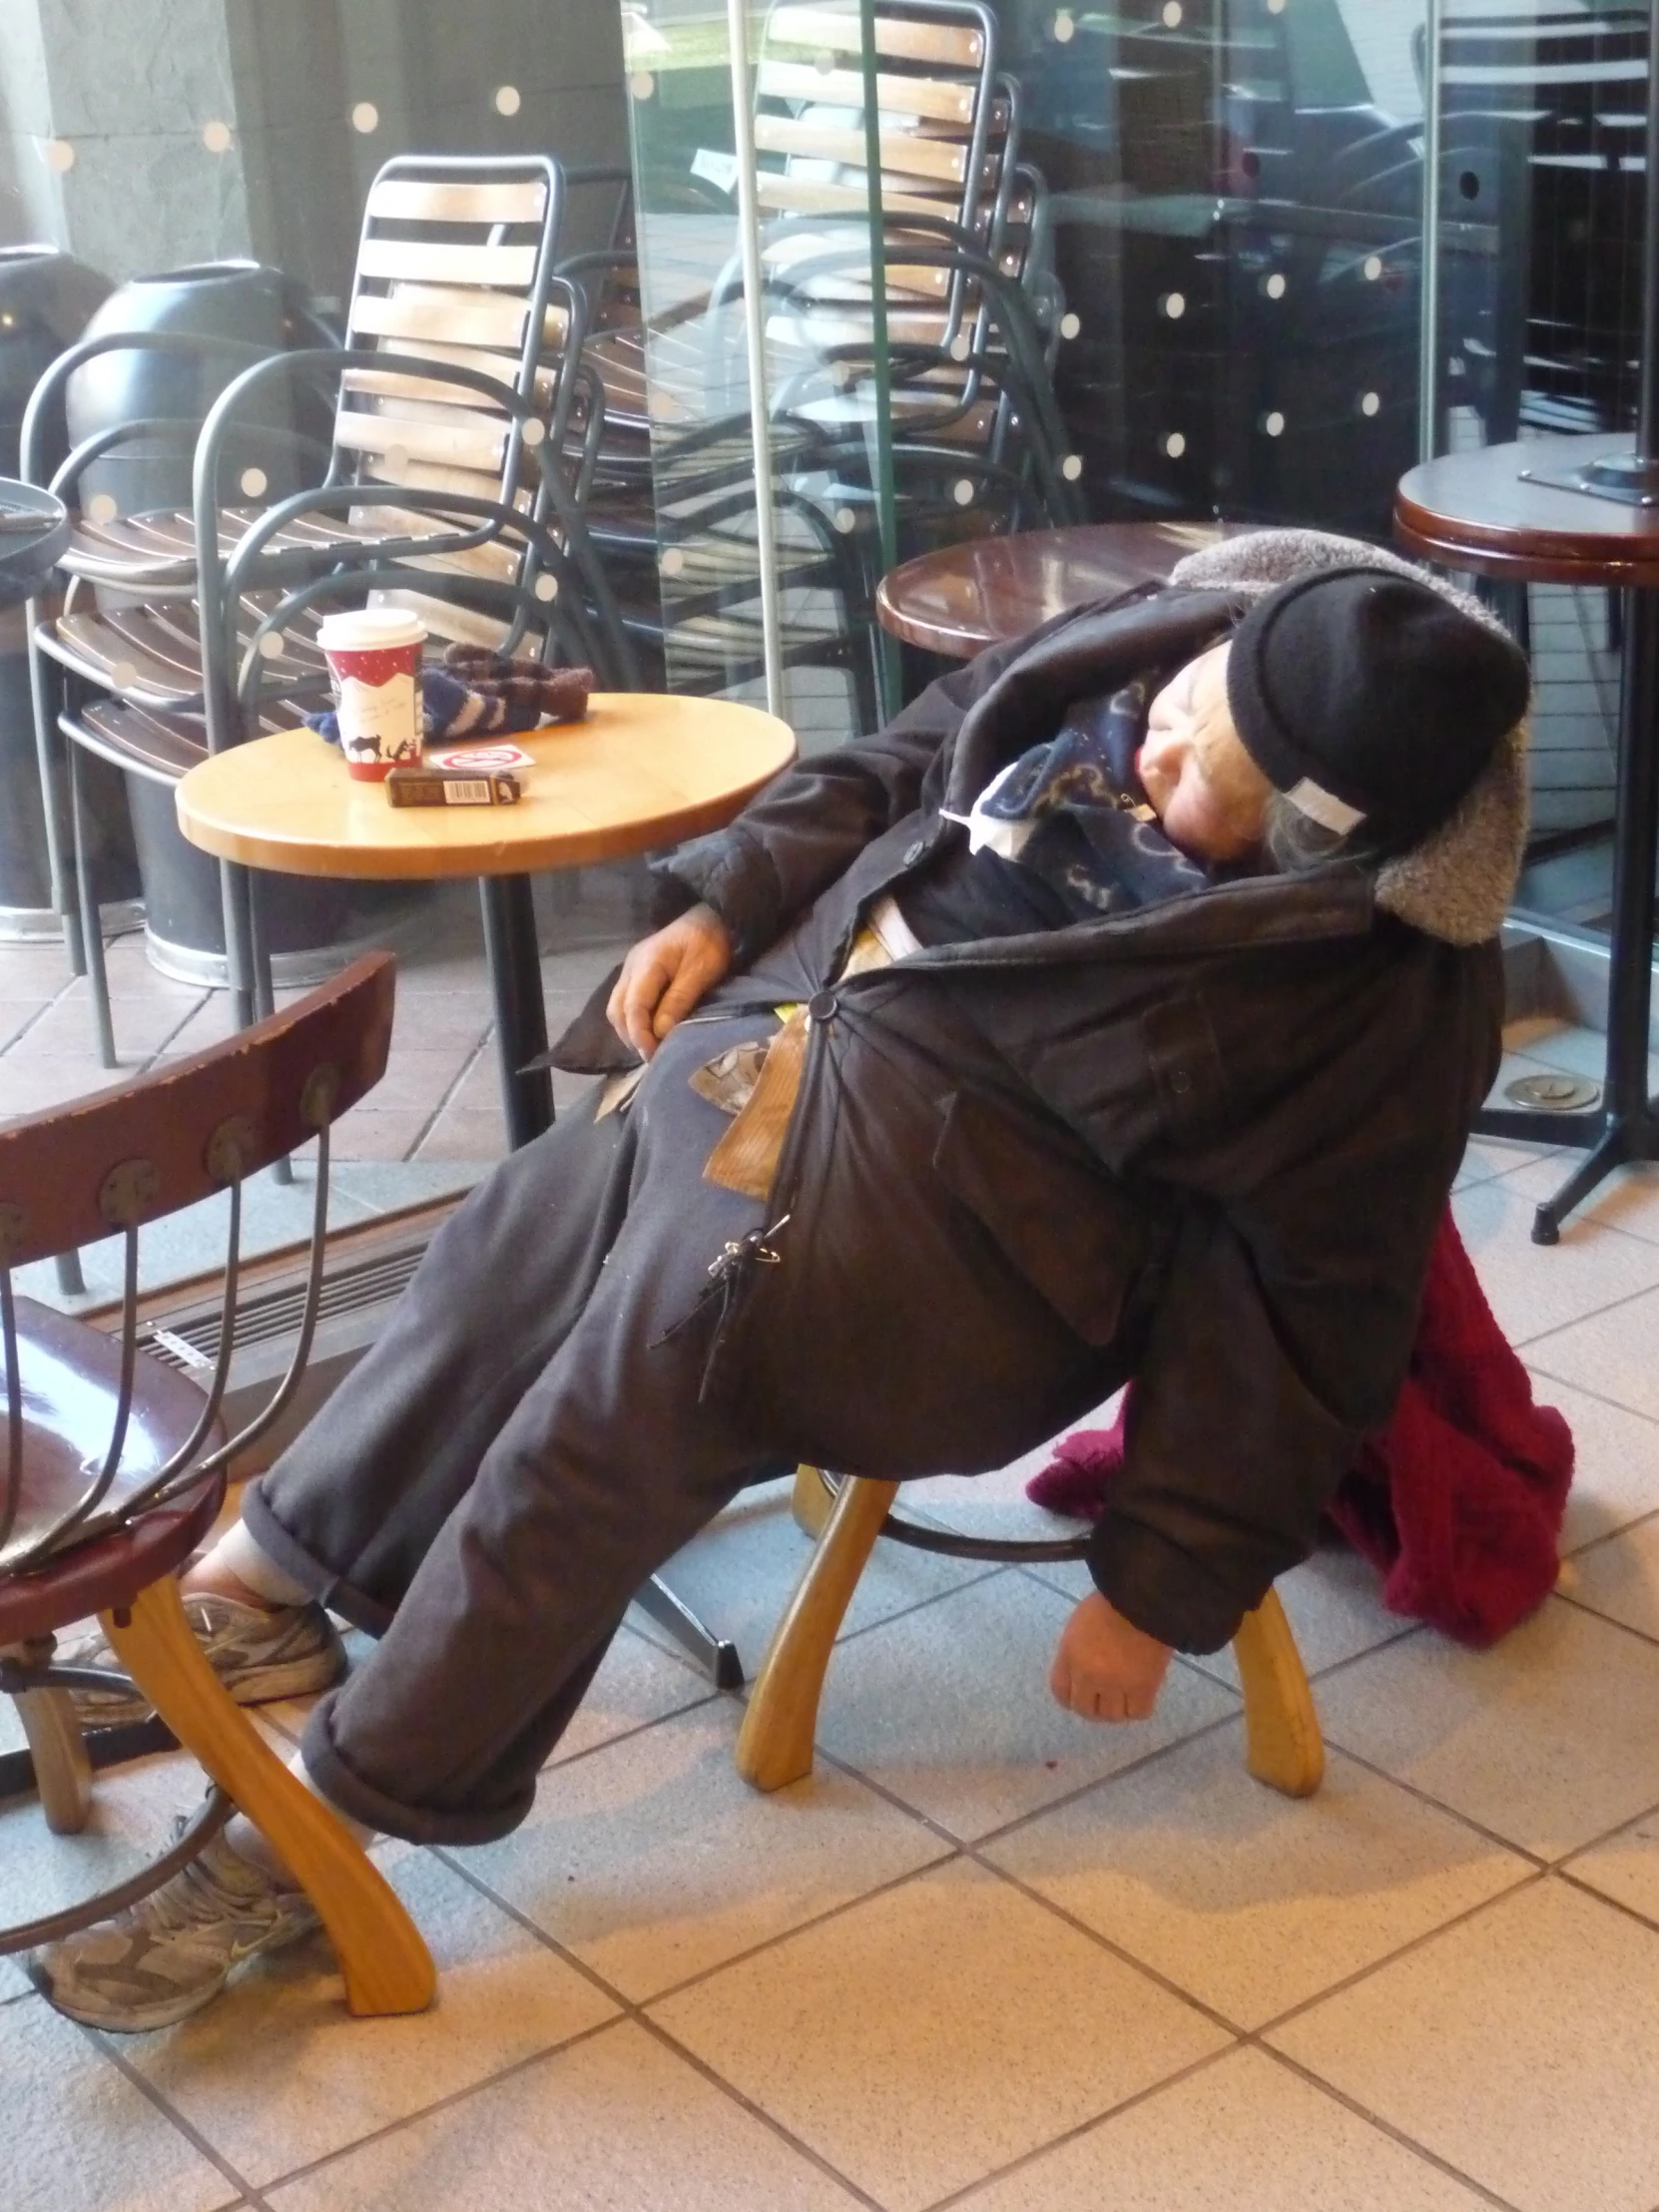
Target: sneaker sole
259 1686
163 2014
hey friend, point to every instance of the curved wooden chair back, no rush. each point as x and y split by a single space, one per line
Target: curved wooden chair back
114 1162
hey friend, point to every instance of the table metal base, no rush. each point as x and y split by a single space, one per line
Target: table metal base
1624 1128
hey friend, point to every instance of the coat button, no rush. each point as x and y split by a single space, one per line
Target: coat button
913 852
1180 1083
821 1005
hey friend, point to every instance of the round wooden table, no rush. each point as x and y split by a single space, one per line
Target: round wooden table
642 771
1504 511
961 598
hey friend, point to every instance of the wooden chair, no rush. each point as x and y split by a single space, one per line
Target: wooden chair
774 1745
115 1466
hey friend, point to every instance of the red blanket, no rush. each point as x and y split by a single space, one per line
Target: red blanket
1458 1502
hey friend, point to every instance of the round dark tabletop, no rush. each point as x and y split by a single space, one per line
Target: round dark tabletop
1488 511
961 598
34 529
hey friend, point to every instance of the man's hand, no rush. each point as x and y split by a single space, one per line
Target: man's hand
665 975
1107 1669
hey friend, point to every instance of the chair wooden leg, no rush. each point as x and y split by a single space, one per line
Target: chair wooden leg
774 1744
63 1772
1285 1747
387 1968
809 1501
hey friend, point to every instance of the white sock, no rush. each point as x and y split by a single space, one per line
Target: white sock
237 1552
250 1843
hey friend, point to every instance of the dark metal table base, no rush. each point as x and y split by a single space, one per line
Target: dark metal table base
1624 1129
514 959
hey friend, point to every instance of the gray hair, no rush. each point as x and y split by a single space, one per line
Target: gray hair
1295 843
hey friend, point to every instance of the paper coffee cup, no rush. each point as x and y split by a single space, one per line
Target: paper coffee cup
374 657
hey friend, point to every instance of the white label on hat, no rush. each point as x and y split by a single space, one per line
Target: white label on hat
1324 807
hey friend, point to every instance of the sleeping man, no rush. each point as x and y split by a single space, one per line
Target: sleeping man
1120 1010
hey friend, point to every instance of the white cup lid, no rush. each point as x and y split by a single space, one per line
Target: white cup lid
371 630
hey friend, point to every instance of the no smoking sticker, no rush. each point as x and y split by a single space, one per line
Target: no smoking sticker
480 757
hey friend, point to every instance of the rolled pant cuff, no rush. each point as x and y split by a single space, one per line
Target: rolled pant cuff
286 1552
415 1823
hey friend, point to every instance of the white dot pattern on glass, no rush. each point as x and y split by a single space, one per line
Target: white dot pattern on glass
216 137
642 83
1072 467
123 675
1065 27
1171 14
673 562
1174 305
1175 444
533 431
1371 267
253 481
1276 7
823 60
961 346
101 508
547 588
963 491
60 156
846 521
274 645
1274 286
366 116
1371 402
508 100
1274 423
1069 325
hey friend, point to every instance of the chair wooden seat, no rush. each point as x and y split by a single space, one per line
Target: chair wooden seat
110 1570
71 1383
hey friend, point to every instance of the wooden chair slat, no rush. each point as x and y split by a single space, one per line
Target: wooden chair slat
436 311
837 31
510 266
412 472
415 200
905 154
936 99
499 560
470 442
445 619
53 1165
801 195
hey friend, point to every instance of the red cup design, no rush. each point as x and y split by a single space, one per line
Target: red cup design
374 657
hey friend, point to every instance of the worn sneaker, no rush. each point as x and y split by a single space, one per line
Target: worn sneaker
172 1952
258 1655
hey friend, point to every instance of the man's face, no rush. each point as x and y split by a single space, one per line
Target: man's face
1203 786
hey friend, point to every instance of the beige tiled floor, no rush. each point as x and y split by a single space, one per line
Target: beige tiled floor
986 1957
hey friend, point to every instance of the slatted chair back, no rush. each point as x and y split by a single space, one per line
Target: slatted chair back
457 270
115 1162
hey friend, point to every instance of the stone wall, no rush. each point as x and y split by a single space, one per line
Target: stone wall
147 133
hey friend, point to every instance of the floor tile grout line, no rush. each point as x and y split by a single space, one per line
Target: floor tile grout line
474 1056
247 2194
1615 1404
1533 1859
1524 1345
407 2120
1582 1605
747 2103
1532 1879
635 2011
997 2174
1604 1896
1580 1850
1388 2128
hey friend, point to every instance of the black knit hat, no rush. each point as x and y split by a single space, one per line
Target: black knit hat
1365 696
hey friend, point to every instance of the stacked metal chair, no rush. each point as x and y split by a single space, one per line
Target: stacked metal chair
446 489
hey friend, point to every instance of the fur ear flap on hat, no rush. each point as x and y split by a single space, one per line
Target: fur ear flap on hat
1458 882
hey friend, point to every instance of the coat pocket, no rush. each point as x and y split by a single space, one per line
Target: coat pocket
1074 1234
